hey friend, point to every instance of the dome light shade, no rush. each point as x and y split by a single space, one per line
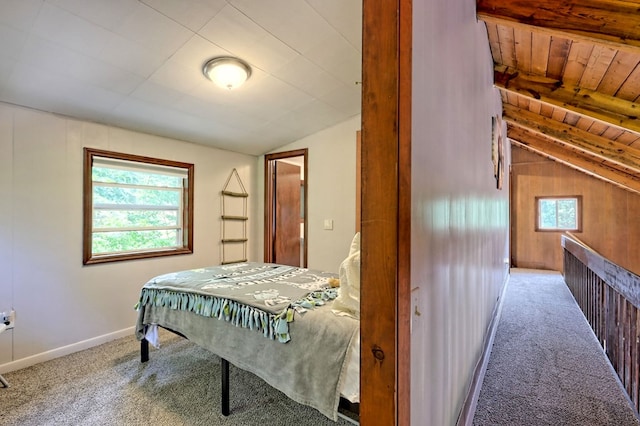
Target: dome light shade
227 72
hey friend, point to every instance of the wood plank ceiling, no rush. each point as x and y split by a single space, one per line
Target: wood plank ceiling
569 76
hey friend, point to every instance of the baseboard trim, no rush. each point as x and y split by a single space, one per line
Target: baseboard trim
64 350
471 401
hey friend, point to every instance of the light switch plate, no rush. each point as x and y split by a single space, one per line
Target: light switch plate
328 224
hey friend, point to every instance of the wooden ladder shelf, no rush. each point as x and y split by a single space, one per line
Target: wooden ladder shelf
234 220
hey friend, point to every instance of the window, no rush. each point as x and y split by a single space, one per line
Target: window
558 213
135 207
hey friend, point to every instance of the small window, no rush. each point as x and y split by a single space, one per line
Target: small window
558 213
135 207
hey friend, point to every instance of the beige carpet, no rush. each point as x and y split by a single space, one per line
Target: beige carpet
546 366
180 385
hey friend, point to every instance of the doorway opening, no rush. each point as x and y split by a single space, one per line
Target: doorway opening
285 228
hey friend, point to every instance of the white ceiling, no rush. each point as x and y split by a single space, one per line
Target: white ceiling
137 64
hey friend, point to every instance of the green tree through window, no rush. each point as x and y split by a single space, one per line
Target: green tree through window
558 213
140 207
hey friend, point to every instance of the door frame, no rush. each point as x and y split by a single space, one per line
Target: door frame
269 199
385 299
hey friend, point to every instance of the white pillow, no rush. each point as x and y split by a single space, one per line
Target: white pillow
348 300
355 244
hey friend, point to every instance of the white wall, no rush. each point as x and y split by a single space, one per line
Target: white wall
460 221
58 301
331 191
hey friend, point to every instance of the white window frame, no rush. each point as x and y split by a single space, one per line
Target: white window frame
183 228
538 219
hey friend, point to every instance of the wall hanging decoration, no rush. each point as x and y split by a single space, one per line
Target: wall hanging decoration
497 150
234 220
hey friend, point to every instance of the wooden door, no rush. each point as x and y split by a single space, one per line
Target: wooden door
271 202
286 244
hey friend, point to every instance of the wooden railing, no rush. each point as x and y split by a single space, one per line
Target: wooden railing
609 297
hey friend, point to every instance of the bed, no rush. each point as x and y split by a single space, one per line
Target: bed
286 325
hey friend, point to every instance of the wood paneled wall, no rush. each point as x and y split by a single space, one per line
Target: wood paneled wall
611 216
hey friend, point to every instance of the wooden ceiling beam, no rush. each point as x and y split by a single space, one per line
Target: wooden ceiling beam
612 21
608 109
534 142
541 31
625 157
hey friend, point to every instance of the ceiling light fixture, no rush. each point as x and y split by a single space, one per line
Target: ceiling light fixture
227 72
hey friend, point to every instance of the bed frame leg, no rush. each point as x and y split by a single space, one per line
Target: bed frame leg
144 350
224 373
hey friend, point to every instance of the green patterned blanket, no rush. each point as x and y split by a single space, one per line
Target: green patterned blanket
258 296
